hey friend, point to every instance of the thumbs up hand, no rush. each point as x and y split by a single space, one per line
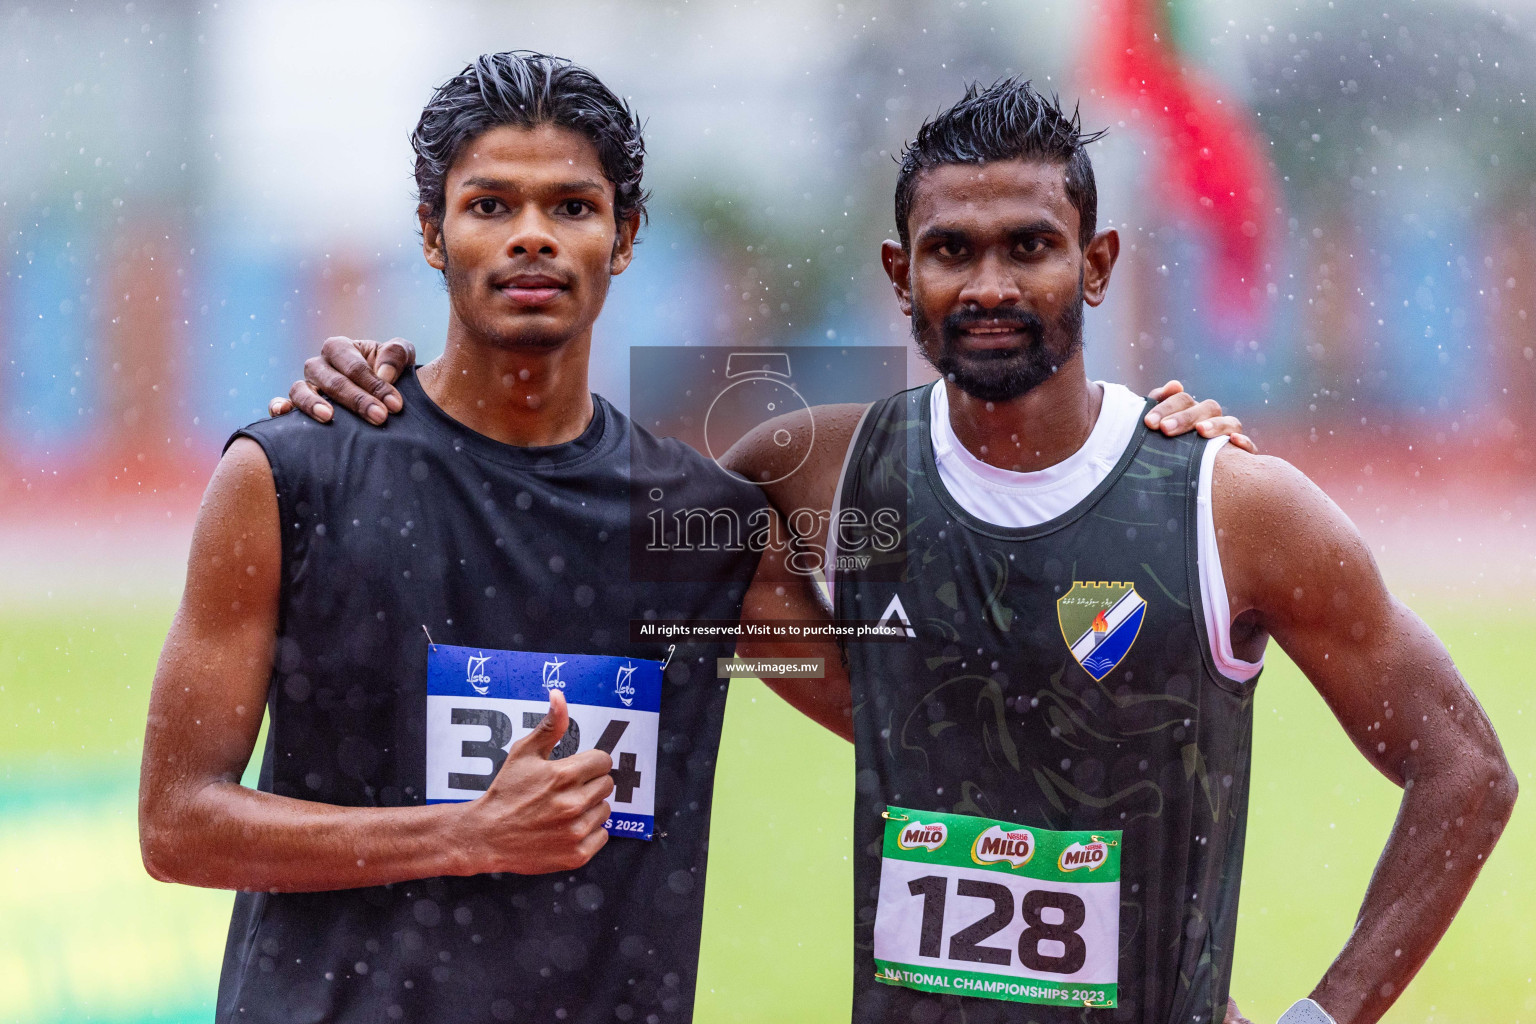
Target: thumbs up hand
539 815
546 736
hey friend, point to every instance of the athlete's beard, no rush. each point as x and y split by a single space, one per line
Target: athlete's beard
997 375
461 288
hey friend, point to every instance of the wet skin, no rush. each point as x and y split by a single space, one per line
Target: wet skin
998 242
1000 307
528 243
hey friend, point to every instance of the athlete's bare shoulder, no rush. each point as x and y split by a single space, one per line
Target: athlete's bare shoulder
234 567
796 458
1250 490
241 495
1280 536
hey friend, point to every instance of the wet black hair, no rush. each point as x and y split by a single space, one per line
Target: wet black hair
1008 120
526 89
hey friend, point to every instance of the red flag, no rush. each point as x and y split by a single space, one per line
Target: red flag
1212 158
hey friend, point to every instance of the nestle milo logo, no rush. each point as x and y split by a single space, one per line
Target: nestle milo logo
994 845
1077 856
928 837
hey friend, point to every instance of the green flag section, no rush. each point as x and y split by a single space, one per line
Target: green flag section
962 841
990 986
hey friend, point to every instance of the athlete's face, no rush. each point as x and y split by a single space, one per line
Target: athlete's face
528 241
995 278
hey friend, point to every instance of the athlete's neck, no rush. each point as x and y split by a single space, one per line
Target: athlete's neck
1038 429
530 397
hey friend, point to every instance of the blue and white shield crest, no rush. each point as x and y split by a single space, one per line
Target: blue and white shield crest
1100 622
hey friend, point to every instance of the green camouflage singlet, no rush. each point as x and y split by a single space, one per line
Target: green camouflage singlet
1058 676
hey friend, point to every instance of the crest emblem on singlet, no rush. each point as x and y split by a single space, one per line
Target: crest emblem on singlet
1100 622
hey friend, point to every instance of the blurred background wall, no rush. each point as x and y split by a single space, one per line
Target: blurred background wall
1329 218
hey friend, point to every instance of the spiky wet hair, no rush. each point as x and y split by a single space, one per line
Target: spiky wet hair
525 90
1008 120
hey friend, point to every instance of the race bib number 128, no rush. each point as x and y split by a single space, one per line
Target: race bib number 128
481 701
975 907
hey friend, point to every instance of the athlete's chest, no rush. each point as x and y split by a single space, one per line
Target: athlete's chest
1082 636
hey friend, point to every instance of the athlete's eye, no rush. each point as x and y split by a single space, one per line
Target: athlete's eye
951 250
575 207
1032 245
486 206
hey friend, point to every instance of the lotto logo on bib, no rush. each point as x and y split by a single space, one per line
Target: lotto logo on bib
480 701
998 911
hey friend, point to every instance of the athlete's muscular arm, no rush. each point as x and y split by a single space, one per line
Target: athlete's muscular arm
199 826
802 493
780 592
1297 570
359 375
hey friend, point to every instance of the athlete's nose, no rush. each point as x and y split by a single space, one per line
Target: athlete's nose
992 284
531 234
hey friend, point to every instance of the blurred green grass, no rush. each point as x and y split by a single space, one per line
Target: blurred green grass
86 935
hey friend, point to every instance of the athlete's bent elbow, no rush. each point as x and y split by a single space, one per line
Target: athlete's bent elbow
157 847
1488 788
1503 789
163 845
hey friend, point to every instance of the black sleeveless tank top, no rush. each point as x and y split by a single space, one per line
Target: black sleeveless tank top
987 711
424 522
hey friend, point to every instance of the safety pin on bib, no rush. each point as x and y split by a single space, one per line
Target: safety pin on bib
888 816
1106 842
670 649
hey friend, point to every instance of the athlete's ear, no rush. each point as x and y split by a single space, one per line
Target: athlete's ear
431 238
898 267
1098 262
624 244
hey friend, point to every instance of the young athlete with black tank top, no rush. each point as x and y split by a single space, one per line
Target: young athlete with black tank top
408 602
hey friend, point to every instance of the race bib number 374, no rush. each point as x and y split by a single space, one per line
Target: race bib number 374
975 907
481 701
